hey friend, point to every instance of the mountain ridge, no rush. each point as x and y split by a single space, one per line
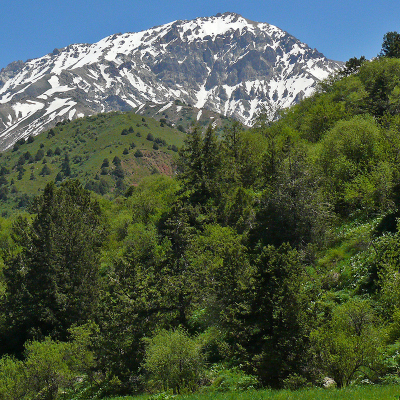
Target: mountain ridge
224 63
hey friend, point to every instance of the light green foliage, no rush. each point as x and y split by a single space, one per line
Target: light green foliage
351 343
174 361
230 380
12 376
352 160
49 367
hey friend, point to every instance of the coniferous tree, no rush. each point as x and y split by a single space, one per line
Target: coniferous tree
391 45
52 282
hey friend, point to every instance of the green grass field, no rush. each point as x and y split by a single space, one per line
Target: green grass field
375 392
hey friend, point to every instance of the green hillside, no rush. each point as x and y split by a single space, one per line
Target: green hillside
78 149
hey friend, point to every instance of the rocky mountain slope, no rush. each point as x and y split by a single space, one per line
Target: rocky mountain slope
225 63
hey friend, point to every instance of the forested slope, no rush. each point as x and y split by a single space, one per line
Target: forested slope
271 259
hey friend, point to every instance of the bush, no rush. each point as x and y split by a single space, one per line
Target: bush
231 379
174 361
48 367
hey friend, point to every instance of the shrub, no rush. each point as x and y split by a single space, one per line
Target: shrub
231 379
174 361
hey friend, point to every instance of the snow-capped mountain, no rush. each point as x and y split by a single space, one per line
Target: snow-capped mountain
225 63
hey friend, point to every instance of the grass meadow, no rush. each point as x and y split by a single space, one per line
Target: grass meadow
373 392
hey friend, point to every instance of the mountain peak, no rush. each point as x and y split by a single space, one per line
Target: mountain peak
225 63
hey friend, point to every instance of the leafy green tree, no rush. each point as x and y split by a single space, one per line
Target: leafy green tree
52 282
349 159
351 343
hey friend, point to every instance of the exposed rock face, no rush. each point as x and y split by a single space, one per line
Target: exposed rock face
224 63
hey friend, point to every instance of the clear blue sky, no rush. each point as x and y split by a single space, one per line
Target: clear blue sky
340 29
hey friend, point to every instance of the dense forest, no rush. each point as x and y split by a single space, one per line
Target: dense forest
271 259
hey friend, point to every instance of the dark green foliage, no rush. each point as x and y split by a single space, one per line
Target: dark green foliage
150 137
59 177
3 180
21 160
51 133
116 161
52 282
125 152
269 330
155 146
118 172
65 167
4 193
45 170
352 66
16 147
138 153
4 171
391 45
39 155
57 151
30 139
100 186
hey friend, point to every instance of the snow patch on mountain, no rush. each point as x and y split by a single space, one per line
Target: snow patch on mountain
225 63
